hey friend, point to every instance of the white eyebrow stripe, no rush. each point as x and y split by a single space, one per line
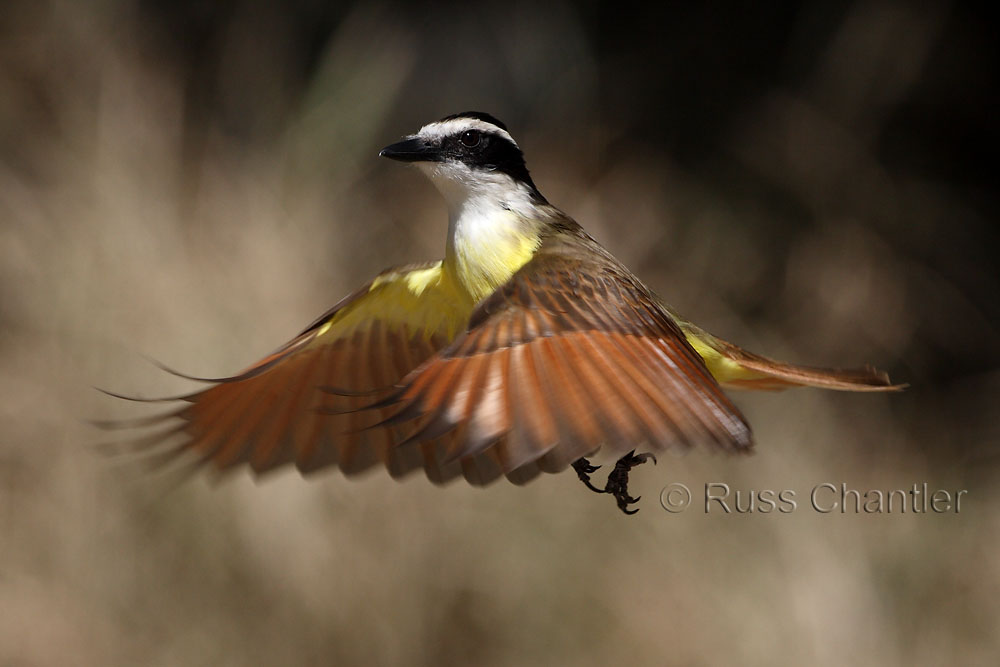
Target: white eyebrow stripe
443 128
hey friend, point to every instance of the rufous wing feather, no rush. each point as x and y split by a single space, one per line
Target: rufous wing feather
570 355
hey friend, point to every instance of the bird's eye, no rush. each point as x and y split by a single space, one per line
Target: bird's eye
470 138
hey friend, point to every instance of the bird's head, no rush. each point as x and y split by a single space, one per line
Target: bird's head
469 153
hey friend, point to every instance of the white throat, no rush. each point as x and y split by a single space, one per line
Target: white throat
493 224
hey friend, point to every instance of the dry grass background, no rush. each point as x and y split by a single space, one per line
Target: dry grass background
201 203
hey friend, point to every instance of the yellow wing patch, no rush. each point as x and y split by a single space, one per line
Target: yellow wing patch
422 302
425 300
723 369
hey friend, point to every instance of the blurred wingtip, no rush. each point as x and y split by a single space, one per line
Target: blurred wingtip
138 422
194 378
139 399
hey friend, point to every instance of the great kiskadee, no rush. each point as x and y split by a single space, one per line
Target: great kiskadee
526 349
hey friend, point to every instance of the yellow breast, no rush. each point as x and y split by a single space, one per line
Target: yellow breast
483 254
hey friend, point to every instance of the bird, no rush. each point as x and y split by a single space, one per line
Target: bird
525 350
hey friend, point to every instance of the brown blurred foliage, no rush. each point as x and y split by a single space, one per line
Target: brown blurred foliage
196 181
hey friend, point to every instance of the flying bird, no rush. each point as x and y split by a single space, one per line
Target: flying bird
525 350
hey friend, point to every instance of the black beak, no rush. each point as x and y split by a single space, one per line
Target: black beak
411 150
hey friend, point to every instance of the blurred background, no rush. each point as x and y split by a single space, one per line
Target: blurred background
196 181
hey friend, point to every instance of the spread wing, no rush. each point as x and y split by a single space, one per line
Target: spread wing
736 368
571 354
273 412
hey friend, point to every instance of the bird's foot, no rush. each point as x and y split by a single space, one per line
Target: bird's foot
617 484
583 470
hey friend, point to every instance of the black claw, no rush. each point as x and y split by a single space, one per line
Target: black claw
617 484
583 469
